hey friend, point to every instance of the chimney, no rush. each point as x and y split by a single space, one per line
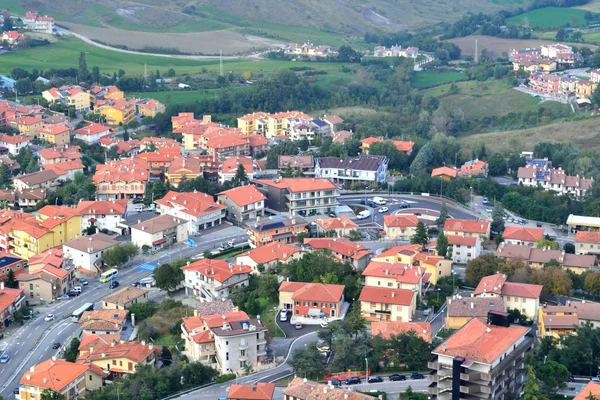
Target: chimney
393 294
472 305
133 320
143 342
32 369
1 285
91 349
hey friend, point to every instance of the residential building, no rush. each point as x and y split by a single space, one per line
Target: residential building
103 215
86 251
538 258
333 121
14 144
481 361
59 154
315 300
71 380
464 249
587 242
554 179
38 180
116 112
385 304
305 164
467 228
159 232
585 311
123 179
8 262
58 134
387 329
198 210
341 136
159 161
400 227
276 228
591 389
230 166
463 309
308 49
92 133
212 280
12 38
301 389
445 173
44 286
434 267
341 226
518 296
270 256
105 93
39 23
544 82
557 322
402 146
585 88
119 359
103 322
344 250
65 170
149 108
473 168
28 126
258 391
361 169
10 302
184 168
299 196
242 204
522 236
24 199
71 96
122 299
394 275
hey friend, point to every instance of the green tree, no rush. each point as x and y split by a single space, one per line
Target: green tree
552 376
547 243
441 220
95 74
82 73
33 166
307 362
497 165
569 248
168 276
484 265
355 323
142 310
120 254
596 96
442 244
49 394
348 54
498 218
561 35
8 24
11 282
421 236
240 178
72 351
165 356
6 178
354 235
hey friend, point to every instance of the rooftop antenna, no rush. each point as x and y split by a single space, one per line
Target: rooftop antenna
221 63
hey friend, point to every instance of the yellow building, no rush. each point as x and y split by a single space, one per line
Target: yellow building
557 321
252 123
184 168
384 304
434 267
119 358
150 108
28 126
116 112
59 134
585 88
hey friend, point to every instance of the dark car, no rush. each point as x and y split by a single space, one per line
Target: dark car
137 201
336 382
371 204
16 391
397 377
363 201
73 294
355 380
416 375
571 378
56 345
375 379
114 284
332 214
404 205
135 284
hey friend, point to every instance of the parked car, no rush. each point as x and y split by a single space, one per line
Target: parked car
298 325
375 379
416 375
335 382
397 377
4 359
363 201
523 222
76 289
323 324
571 378
283 315
49 317
364 214
56 345
485 200
73 294
83 282
113 284
383 210
137 201
63 297
538 224
332 214
322 347
16 391
355 380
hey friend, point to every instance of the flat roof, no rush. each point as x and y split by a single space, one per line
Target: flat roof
580 220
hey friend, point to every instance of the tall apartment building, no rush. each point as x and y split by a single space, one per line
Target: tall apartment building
299 196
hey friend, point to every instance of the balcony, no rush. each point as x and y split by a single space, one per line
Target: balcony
470 377
243 358
433 365
243 345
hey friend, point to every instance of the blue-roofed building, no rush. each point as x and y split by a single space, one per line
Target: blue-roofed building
7 83
276 228
10 262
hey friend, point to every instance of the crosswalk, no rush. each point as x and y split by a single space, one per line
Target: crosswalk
147 266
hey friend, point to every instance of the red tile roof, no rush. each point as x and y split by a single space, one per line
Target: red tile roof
462 241
93 340
13 139
56 129
400 221
388 328
587 237
244 195
111 207
523 234
590 388
133 351
403 146
91 129
497 284
191 203
125 170
374 294
63 167
271 252
8 297
336 223
444 171
313 291
53 374
468 226
401 272
219 270
343 247
412 248
260 391
479 342
231 165
216 320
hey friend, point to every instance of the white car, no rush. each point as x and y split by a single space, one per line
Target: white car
283 315
49 317
383 210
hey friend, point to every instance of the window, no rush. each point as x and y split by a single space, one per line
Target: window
130 366
227 356
306 304
243 353
90 377
31 286
120 363
315 304
390 284
227 343
378 283
257 347
242 364
114 362
332 306
323 305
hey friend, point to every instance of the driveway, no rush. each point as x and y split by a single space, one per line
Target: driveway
290 329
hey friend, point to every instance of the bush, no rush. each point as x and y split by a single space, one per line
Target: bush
225 378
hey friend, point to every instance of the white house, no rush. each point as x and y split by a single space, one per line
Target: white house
14 143
159 232
364 168
86 251
92 133
464 249
212 280
199 210
103 215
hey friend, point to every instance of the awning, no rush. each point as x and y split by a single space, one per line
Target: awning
314 312
159 241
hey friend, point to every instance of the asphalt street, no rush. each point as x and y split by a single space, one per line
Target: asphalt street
32 343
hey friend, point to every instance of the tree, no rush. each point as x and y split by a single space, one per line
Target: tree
354 235
119 254
82 73
165 356
6 178
420 237
442 244
592 283
484 265
72 351
497 218
301 236
168 276
553 376
240 178
355 323
11 282
546 243
95 74
33 166
562 35
348 54
531 388
307 362
497 165
569 248
441 220
8 24
49 394
143 310
596 97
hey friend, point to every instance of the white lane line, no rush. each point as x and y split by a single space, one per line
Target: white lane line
28 336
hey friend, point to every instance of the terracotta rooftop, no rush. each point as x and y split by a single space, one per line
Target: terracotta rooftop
400 221
219 270
159 224
587 237
244 195
259 391
473 306
194 204
336 223
441 171
92 244
497 284
388 328
455 240
590 388
467 226
401 272
313 291
133 351
374 294
125 296
53 374
296 185
273 251
345 248
522 233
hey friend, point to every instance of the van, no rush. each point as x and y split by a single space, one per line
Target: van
364 214
283 315
76 289
379 201
139 207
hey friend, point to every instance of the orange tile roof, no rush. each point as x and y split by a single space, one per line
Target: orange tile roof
8 297
465 225
403 145
253 116
185 166
226 140
56 215
133 351
587 237
54 257
412 248
590 388
244 195
27 120
191 203
31 226
260 391
371 140
16 139
374 294
155 156
287 286
401 272
125 170
93 340
59 272
216 320
462 241
271 252
444 171
63 167
474 342
295 185
257 140
110 207
219 270
317 292
70 152
343 247
231 165
53 374
56 129
400 221
91 129
336 223
103 320
523 234
497 284
388 328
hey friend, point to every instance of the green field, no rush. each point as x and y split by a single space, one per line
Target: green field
550 17
425 79
13 5
183 96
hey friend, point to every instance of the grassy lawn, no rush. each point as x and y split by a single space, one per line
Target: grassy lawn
13 5
167 340
425 79
593 37
231 253
550 17
267 315
183 96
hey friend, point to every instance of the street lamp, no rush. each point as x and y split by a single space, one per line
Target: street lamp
438 295
367 365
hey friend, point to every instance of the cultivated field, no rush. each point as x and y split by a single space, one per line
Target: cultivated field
425 79
498 45
583 133
183 96
550 17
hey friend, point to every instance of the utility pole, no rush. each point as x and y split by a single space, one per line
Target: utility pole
145 72
221 63
476 53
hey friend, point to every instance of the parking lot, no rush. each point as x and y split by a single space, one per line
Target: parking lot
290 329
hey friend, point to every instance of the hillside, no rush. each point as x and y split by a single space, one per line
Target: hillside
343 16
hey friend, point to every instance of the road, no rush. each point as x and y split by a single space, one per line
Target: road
33 342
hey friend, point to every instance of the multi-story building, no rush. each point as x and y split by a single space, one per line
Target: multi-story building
59 154
228 145
199 210
344 250
270 256
92 133
39 23
103 322
522 236
400 227
159 161
554 179
361 169
212 280
103 215
315 300
86 251
28 126
585 88
259 391
58 134
276 228
229 168
46 179
538 258
394 276
557 322
123 179
341 226
305 164
10 262
10 302
473 168
587 242
300 196
118 359
105 93
14 144
242 204
149 108
116 112
159 232
386 304
65 170
517 296
464 249
229 342
401 145
463 309
122 299
481 361
184 168
71 96
467 228
254 123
